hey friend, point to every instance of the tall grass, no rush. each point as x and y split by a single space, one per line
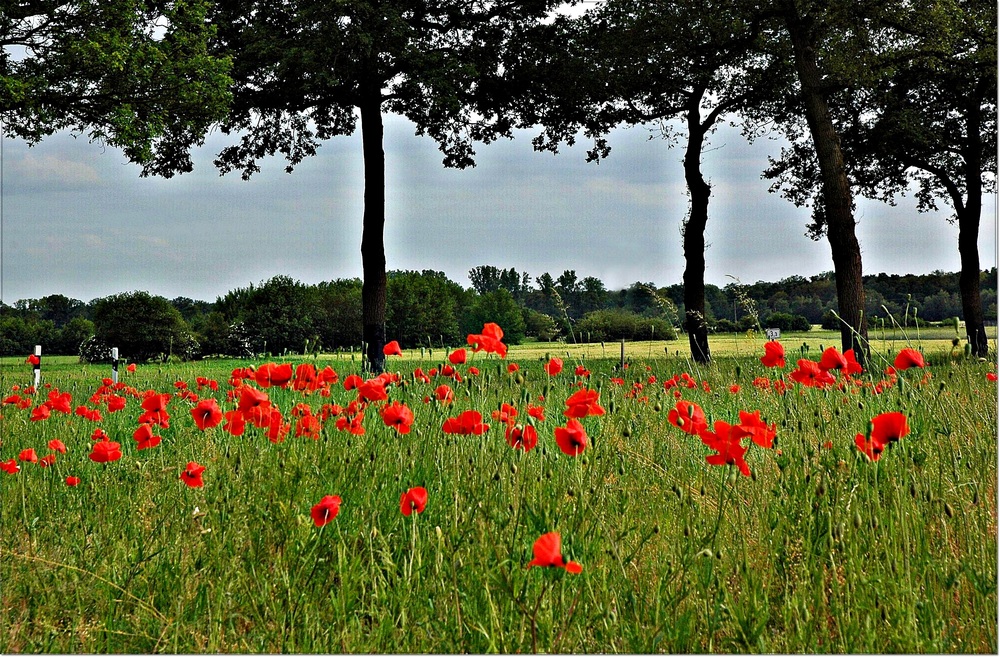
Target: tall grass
820 550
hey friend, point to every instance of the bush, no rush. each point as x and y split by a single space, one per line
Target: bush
142 326
617 324
787 322
726 326
498 307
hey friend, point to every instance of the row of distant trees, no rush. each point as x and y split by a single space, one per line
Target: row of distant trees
426 309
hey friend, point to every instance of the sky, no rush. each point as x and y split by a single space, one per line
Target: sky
78 220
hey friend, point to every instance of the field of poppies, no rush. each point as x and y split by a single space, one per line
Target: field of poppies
482 502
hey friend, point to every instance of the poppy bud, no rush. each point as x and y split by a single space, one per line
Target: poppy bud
857 520
948 510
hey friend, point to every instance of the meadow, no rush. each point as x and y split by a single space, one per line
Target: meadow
784 537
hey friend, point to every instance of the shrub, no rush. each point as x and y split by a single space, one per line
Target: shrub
787 322
617 324
142 326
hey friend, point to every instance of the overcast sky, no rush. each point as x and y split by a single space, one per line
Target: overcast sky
79 221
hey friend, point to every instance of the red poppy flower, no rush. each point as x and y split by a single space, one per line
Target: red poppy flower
444 394
39 413
457 357
47 460
306 377
235 424
28 455
571 439
105 451
908 358
255 406
521 437
351 424
308 426
547 551
130 367
688 417
277 428
192 475
72 481
554 366
372 390
397 415
273 374
466 423
61 402
207 414
116 403
513 367
725 440
757 429
853 366
489 340
870 448
10 466
392 349
57 445
537 412
99 435
832 360
145 438
774 354
412 500
154 402
326 510
582 403
889 427
991 376
352 381
809 374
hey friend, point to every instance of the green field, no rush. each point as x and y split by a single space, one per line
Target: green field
820 550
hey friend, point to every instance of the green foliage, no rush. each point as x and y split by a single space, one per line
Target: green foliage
421 305
787 322
616 324
131 74
143 327
278 316
498 307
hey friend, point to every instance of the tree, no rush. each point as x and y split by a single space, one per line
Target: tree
500 308
935 124
302 68
278 316
142 326
422 305
635 61
131 74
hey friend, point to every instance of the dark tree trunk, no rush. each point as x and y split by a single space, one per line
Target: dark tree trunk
373 289
968 234
695 322
838 202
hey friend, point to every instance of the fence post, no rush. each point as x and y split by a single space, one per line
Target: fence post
114 364
38 365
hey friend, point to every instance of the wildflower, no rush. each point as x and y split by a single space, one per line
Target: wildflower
457 357
10 466
207 414
774 354
444 394
489 340
397 415
853 366
547 551
757 429
72 481
57 445
235 424
105 451
583 403
688 417
272 374
889 427
554 366
39 413
810 375
47 460
326 510
832 360
412 500
571 439
521 436
192 475
537 412
467 422
308 426
372 390
907 358
506 414
392 349
991 376
145 438
28 455
725 440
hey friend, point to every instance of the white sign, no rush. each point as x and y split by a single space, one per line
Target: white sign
772 333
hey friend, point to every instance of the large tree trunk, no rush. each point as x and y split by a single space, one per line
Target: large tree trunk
373 289
695 322
968 234
838 202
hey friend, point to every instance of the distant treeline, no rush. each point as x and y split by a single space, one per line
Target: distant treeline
426 309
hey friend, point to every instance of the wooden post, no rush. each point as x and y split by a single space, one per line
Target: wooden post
622 364
114 364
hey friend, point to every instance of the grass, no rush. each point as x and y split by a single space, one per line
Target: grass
819 551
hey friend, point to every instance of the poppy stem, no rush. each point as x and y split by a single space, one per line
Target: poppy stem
722 499
534 619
